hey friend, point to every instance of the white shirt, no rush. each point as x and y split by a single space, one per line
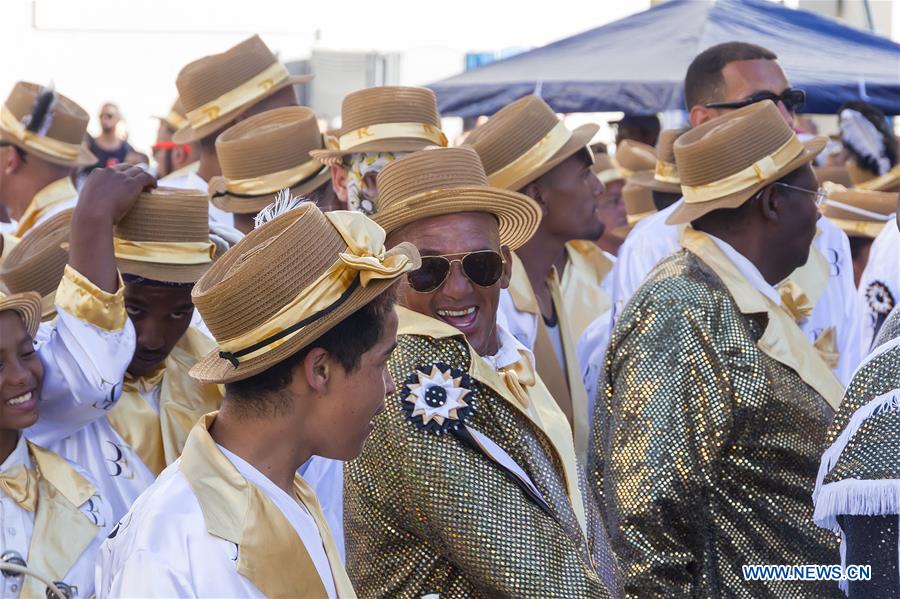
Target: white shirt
17 526
162 547
192 180
652 240
879 285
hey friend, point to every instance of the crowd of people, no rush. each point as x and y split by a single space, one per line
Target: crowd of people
298 363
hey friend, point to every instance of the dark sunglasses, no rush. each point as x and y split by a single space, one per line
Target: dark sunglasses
484 268
792 98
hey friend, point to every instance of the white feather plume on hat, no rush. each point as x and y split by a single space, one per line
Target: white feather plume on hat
859 133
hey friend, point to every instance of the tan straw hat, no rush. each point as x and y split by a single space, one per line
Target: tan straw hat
834 174
859 213
217 88
524 140
664 174
165 236
726 161
176 118
385 119
263 304
264 154
27 305
639 205
606 169
633 156
47 124
446 181
890 181
38 262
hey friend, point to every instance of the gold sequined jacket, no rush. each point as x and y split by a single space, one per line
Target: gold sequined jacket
426 513
705 449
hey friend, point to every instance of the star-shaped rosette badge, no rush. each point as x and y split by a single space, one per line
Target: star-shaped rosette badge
437 398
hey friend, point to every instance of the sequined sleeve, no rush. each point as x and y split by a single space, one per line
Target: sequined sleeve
669 416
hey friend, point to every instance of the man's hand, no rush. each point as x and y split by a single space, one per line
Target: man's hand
107 196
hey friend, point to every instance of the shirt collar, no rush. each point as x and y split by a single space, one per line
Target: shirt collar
509 352
748 270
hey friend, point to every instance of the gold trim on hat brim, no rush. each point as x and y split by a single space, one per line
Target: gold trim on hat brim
580 139
214 369
85 157
648 179
518 215
188 135
336 157
28 306
166 273
686 213
238 205
858 228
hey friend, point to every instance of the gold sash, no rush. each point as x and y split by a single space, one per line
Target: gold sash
582 295
782 340
515 386
270 553
158 439
61 190
61 532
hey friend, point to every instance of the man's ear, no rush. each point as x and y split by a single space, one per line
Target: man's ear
769 204
533 190
316 371
507 267
699 114
10 161
339 183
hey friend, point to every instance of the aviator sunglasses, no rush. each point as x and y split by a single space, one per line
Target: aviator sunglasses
484 268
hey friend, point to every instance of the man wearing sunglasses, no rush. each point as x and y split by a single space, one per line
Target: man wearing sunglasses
468 486
821 295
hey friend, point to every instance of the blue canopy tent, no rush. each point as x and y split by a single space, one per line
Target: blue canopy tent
637 64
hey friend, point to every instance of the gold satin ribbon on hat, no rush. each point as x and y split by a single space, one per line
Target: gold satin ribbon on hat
174 120
238 97
273 182
56 193
763 169
365 258
165 252
62 533
533 158
382 131
666 172
20 484
633 219
858 228
270 553
54 147
782 340
87 302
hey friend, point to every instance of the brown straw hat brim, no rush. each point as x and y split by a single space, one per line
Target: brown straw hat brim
648 179
689 212
214 369
579 141
336 157
28 306
187 134
85 156
518 215
252 205
167 273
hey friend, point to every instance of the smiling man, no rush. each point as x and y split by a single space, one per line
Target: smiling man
469 485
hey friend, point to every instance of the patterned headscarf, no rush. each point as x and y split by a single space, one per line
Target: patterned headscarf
360 195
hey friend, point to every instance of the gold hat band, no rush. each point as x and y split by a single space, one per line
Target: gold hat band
536 155
165 252
762 170
364 260
857 228
273 182
382 131
47 145
634 218
240 96
175 120
666 172
610 174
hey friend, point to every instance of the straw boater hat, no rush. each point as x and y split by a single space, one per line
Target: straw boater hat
726 161
890 181
835 174
263 305
664 174
385 119
639 205
27 305
606 169
264 154
524 140
165 236
176 118
633 156
859 213
37 263
47 124
447 181
217 88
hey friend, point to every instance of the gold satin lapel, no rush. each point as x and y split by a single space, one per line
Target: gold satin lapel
270 554
61 532
827 347
782 340
582 296
137 423
520 289
57 192
548 367
544 412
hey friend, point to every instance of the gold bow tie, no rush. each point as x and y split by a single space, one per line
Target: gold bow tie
518 377
143 384
20 483
795 301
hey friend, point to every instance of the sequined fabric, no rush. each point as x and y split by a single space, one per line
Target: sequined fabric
706 449
426 514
